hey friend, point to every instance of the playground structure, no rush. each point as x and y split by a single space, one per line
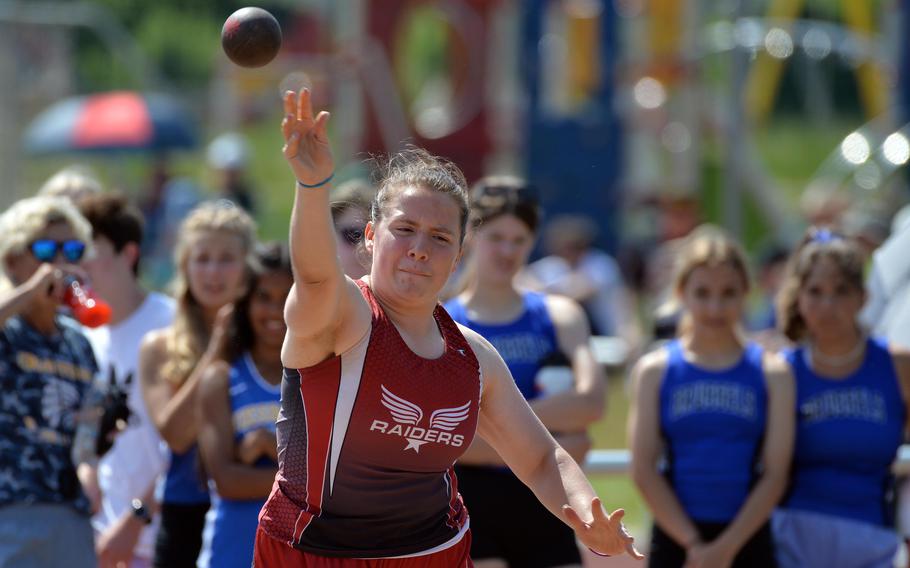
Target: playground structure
603 104
496 86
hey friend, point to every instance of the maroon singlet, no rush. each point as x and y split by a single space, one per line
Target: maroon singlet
366 446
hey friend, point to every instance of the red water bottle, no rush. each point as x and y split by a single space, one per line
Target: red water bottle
88 310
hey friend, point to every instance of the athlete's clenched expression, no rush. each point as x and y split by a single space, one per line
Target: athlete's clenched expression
415 245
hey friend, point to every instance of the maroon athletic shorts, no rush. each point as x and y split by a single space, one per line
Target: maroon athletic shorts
270 553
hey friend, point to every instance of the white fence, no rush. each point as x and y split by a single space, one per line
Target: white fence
616 462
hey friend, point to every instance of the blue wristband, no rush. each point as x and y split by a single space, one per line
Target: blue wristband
315 185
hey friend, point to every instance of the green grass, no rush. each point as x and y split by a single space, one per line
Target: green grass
793 150
610 432
618 492
272 178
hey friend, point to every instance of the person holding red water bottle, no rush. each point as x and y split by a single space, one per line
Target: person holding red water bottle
87 308
46 371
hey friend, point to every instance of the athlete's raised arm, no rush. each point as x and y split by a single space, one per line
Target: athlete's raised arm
322 301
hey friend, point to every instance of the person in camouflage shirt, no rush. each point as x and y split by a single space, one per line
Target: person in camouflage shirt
46 369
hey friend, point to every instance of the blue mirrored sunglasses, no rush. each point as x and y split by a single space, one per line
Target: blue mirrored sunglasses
46 250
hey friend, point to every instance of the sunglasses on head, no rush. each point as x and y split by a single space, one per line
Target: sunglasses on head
493 194
824 235
351 235
46 250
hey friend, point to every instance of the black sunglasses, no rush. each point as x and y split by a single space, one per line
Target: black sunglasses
46 250
351 235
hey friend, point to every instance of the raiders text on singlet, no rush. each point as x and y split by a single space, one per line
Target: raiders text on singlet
367 441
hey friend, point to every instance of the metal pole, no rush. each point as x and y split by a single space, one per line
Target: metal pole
10 154
733 162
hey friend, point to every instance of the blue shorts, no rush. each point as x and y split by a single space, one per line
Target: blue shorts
813 540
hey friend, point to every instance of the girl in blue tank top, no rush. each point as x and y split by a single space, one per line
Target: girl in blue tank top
240 404
184 482
711 427
212 247
544 340
851 414
525 343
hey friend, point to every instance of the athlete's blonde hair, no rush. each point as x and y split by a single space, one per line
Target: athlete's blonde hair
27 218
189 335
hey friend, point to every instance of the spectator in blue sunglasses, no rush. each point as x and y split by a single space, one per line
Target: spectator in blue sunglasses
46 369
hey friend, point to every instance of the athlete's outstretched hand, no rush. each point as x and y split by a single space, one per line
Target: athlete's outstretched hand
306 141
605 534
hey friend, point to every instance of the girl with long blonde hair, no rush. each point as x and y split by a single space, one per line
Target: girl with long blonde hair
214 243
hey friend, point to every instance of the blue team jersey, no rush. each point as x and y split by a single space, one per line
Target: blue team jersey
713 423
847 435
524 344
184 483
43 379
254 405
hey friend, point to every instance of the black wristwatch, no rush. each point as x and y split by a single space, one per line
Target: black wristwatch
141 512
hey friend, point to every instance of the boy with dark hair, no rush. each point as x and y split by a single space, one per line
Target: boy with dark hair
115 220
123 484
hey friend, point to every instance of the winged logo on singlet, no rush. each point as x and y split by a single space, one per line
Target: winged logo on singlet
408 417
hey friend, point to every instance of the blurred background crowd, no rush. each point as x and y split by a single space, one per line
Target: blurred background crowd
641 119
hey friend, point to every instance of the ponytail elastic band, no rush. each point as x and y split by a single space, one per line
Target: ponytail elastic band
315 185
599 553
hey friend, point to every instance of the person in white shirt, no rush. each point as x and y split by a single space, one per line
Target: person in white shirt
887 311
124 481
591 277
887 314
